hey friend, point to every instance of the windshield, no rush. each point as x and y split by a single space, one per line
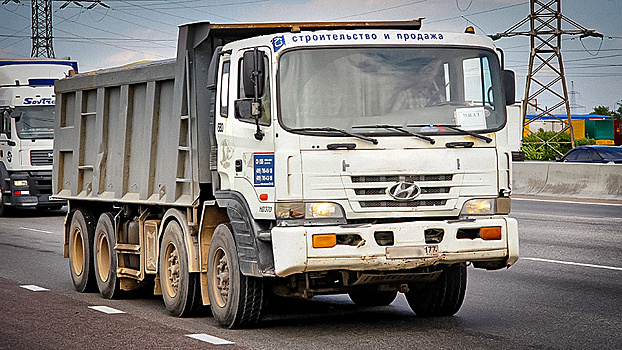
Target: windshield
364 90
36 122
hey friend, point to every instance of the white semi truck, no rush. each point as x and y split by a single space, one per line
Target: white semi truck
27 131
295 159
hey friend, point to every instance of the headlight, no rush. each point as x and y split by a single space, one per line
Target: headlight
487 206
479 207
316 211
322 210
20 183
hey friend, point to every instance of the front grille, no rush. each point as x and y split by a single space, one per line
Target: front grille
381 191
370 191
395 204
407 178
41 157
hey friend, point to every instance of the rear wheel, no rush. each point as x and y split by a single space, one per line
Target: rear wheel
372 297
236 300
105 257
179 286
443 296
81 235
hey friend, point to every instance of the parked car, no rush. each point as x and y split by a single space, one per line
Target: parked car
593 154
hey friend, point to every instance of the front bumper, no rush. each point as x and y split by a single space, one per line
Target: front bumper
36 194
294 253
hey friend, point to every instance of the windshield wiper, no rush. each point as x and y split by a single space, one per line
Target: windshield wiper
397 128
455 128
341 131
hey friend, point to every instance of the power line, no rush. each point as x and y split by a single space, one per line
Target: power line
380 10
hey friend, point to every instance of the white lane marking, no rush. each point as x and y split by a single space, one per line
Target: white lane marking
575 264
34 229
563 201
34 288
106 310
209 339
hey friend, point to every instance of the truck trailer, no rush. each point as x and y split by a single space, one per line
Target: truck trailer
26 131
290 160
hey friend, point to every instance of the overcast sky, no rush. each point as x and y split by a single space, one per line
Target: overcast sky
133 30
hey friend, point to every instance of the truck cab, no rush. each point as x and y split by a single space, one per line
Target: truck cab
27 109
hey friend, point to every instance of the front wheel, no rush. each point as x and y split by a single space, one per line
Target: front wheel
236 300
443 296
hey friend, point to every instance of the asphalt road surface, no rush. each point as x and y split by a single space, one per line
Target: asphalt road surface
564 293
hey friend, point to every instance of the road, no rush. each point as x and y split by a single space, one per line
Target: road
565 292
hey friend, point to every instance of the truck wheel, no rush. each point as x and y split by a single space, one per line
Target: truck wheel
372 297
105 257
443 297
236 300
179 286
81 235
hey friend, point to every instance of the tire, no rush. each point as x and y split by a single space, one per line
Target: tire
179 286
372 297
237 301
105 257
442 297
81 235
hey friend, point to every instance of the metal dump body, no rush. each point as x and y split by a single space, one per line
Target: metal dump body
117 137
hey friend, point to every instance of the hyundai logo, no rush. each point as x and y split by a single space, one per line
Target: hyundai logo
404 191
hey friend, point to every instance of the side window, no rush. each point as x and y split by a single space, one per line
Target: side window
5 124
477 81
583 155
573 155
265 98
224 89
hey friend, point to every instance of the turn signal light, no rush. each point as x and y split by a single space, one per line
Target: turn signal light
328 240
490 233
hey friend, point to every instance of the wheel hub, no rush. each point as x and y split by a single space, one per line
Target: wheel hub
221 277
77 253
172 270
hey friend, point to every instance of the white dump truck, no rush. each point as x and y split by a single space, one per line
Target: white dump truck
290 159
26 131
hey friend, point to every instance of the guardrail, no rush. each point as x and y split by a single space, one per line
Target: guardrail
569 180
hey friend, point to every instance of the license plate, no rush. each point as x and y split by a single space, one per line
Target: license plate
413 252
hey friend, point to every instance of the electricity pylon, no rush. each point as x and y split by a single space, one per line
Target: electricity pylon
42 45
42 29
546 69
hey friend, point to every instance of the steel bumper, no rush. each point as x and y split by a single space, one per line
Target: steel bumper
294 252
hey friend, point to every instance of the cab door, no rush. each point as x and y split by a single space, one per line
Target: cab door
246 145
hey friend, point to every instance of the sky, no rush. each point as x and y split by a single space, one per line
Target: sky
135 30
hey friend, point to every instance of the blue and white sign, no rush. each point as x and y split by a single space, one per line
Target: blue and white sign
264 169
278 42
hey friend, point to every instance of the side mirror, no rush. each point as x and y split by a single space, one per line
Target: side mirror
253 74
15 114
246 108
509 86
